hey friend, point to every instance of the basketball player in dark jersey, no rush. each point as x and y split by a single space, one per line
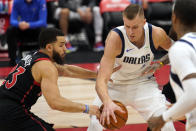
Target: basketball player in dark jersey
35 75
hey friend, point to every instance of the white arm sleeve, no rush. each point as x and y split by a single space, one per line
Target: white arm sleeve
185 104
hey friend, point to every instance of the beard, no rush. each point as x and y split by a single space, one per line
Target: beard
57 58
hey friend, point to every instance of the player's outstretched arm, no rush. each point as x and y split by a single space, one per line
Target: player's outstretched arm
48 76
75 71
78 72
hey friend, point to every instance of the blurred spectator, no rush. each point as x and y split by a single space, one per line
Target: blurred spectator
5 11
98 28
136 2
158 12
77 16
28 17
111 11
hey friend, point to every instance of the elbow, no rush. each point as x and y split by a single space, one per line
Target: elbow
53 106
43 24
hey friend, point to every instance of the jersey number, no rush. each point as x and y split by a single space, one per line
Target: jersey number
19 71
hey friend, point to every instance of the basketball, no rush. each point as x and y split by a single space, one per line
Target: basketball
120 117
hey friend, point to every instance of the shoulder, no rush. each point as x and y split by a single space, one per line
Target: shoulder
45 67
160 38
183 46
180 50
113 43
157 32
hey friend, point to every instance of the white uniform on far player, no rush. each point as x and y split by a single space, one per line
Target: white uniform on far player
182 57
129 85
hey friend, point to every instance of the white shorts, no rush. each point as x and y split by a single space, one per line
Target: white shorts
145 97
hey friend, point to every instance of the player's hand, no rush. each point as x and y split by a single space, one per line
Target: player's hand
94 110
108 110
23 25
156 123
116 68
152 68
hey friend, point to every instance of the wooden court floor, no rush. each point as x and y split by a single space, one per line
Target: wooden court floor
82 90
78 90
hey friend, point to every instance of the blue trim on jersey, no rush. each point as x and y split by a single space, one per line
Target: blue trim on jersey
192 37
123 41
189 43
151 40
176 79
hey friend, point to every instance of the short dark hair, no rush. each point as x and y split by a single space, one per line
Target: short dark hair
133 10
48 35
185 11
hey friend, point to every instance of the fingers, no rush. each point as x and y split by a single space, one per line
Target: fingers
114 117
98 114
102 118
146 70
120 109
105 117
150 70
108 118
109 110
111 80
116 68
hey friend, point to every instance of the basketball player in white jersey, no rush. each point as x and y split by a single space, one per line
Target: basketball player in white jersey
182 57
133 47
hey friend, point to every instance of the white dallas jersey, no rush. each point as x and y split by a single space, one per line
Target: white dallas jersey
182 57
134 60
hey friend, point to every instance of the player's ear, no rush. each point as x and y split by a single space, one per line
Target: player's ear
49 47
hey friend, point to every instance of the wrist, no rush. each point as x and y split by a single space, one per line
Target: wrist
161 63
107 101
86 109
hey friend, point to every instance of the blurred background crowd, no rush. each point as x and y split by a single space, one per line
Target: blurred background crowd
85 23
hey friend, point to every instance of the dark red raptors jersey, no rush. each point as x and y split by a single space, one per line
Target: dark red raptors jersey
20 85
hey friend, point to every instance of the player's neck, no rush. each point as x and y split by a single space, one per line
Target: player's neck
45 52
185 30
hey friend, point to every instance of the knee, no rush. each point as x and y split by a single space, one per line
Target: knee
96 9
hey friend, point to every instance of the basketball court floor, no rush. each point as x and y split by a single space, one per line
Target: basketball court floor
82 90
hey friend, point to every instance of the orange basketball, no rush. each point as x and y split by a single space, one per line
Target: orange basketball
120 117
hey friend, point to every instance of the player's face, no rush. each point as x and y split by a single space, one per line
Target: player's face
59 50
134 28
